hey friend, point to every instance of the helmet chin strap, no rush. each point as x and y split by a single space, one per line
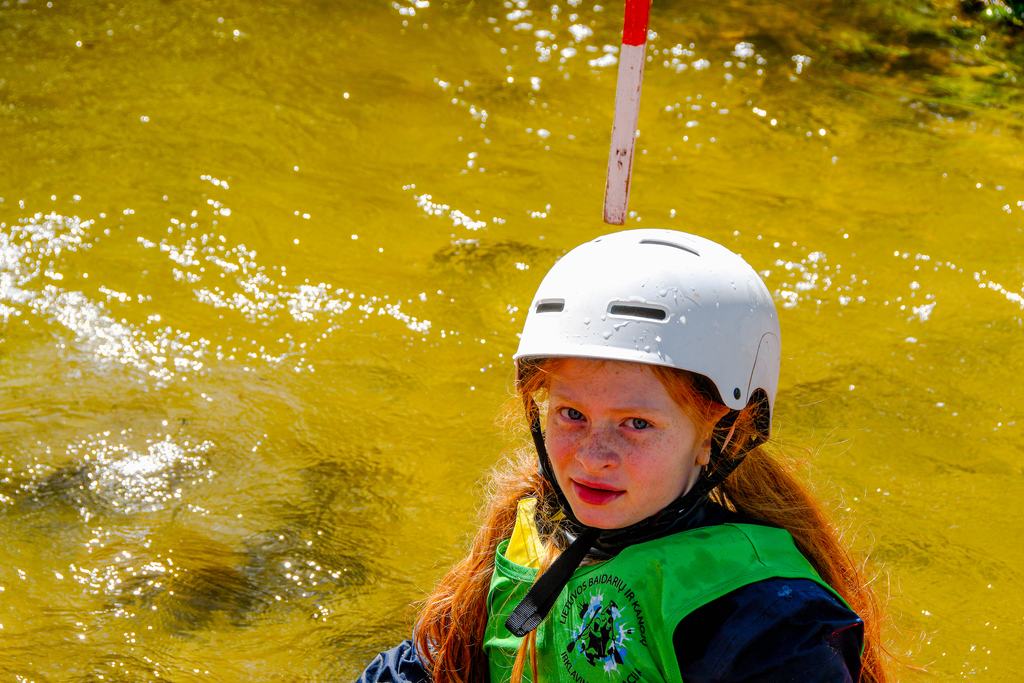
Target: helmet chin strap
608 542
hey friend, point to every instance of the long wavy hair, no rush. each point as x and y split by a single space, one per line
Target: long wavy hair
451 624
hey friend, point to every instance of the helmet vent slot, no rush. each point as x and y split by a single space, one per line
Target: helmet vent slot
638 311
675 245
551 306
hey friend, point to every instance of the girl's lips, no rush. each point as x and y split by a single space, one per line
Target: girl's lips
593 495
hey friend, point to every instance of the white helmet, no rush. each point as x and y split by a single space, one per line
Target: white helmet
661 297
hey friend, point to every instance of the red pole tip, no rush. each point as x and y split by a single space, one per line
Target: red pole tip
634 29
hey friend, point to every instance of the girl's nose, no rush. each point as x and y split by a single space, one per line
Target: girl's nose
597 452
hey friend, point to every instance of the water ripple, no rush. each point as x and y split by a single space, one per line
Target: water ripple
111 473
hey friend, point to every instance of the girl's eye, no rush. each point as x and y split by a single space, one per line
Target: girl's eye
572 414
638 423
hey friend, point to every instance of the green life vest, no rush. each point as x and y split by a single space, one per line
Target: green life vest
614 620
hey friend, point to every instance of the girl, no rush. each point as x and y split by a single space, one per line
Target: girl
651 537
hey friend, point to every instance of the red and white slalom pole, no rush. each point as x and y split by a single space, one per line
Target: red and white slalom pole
627 111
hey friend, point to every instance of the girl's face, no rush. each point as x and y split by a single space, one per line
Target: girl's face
620 447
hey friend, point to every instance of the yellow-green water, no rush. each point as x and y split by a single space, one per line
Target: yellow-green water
262 269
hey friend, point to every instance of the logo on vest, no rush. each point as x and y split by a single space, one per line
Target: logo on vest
603 633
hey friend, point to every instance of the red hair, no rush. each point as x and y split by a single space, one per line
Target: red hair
451 625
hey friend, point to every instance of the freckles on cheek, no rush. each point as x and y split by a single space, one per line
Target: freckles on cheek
559 446
561 450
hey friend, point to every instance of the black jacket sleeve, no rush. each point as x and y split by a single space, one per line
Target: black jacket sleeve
400 664
775 630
